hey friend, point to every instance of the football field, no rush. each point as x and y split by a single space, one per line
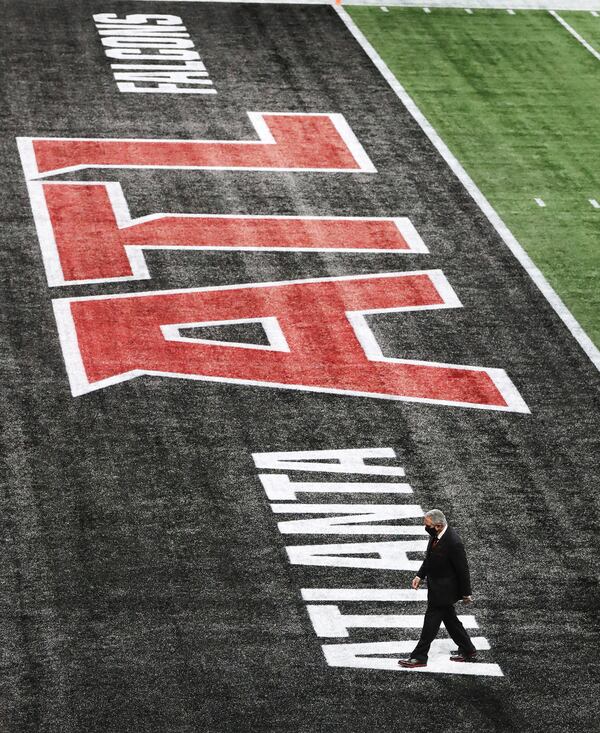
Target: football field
515 96
277 278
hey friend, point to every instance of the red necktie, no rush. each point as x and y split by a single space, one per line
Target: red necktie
434 543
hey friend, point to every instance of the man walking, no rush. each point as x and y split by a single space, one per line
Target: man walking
447 572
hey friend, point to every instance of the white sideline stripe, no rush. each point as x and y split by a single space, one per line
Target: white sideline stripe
594 203
576 35
511 242
540 202
590 5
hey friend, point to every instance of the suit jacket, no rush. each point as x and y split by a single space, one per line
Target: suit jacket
446 569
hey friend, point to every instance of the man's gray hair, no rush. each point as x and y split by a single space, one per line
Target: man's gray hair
436 516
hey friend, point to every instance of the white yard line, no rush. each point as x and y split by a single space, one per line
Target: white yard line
588 5
532 270
576 35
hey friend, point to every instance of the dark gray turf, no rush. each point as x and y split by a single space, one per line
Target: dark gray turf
144 584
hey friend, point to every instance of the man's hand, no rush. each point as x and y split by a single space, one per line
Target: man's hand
416 582
467 599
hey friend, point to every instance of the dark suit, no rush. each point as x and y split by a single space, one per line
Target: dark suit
447 572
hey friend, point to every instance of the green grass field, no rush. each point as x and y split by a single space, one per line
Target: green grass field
516 98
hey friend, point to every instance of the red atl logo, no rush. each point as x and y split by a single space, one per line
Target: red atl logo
318 333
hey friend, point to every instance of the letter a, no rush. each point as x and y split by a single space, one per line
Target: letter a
319 340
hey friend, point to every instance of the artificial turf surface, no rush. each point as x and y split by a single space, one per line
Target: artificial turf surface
515 97
145 584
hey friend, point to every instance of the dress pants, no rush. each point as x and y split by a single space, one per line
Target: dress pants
434 616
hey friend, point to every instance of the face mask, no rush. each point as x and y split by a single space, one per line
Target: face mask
431 531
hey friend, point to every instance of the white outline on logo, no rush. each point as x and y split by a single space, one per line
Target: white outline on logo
80 384
135 253
363 162
270 324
